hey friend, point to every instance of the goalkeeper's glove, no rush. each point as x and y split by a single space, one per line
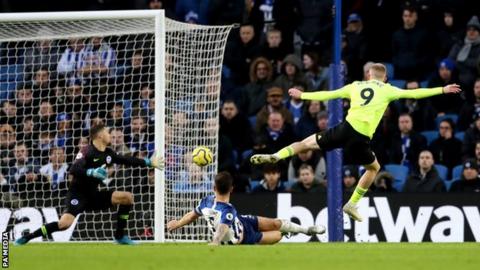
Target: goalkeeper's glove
99 173
155 161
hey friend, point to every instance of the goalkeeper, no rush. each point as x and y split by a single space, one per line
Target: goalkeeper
230 228
89 170
368 101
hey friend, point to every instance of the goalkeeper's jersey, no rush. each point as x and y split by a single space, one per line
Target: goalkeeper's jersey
368 101
216 213
90 157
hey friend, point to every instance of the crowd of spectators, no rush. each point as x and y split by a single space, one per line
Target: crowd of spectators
71 85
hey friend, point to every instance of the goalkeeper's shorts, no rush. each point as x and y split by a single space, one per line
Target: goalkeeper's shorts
251 235
78 202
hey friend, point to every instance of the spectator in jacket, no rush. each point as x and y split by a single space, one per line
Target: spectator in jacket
317 75
350 177
277 133
314 159
446 74
307 181
446 149
274 103
425 178
291 75
410 48
271 180
254 94
236 127
407 144
472 135
466 54
470 180
308 122
448 34
355 52
274 49
469 110
240 53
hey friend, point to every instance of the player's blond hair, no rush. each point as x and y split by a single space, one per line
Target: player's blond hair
378 71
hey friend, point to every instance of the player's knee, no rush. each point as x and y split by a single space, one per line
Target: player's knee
277 223
64 224
375 167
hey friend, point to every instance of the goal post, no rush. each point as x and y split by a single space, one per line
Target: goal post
154 81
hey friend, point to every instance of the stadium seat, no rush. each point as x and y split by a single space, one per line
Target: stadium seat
430 135
457 172
460 135
442 171
253 121
247 154
3 73
398 83
6 90
424 84
453 117
254 184
390 70
399 173
448 184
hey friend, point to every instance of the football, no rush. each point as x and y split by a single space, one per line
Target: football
202 156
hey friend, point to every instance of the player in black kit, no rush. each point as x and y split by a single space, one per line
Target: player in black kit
88 170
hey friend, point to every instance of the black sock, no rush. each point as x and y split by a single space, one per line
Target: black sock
44 230
122 219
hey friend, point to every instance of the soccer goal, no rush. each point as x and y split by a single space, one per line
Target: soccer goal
155 82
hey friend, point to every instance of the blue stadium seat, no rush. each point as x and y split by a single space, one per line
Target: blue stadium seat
247 154
398 83
399 173
288 184
457 172
390 70
254 184
11 73
424 84
6 90
460 135
453 117
3 73
430 135
448 184
442 171
253 121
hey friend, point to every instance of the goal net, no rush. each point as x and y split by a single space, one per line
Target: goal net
155 82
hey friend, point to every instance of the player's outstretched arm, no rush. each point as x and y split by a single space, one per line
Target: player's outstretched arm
425 92
452 89
155 161
319 95
220 233
186 219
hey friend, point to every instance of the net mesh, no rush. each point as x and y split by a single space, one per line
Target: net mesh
58 78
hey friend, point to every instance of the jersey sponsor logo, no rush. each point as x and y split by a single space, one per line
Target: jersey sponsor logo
79 155
229 216
74 202
109 159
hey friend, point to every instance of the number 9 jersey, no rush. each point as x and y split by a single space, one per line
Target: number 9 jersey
368 101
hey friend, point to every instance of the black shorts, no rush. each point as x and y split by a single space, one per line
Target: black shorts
77 202
344 136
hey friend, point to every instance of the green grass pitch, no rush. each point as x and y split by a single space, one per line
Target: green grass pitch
351 256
